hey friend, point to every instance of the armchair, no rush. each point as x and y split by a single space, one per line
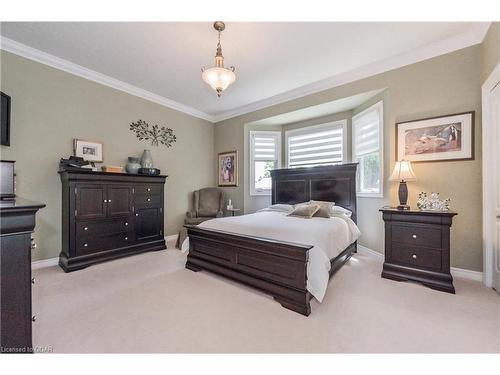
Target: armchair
208 203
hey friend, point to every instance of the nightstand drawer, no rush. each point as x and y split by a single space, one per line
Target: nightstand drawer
416 235
416 256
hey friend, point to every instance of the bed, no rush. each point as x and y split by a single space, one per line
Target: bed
273 260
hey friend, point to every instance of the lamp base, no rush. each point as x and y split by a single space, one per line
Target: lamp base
403 207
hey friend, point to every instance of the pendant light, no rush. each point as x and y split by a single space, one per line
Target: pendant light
218 77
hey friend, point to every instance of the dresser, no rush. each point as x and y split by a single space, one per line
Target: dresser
417 247
107 216
17 222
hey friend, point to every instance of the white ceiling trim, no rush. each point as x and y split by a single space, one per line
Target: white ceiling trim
23 50
429 51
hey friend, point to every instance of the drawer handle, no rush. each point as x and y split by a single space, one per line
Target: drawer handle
149 189
414 256
32 280
85 228
33 244
126 224
33 318
85 245
414 236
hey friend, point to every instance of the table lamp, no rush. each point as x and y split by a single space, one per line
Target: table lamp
403 173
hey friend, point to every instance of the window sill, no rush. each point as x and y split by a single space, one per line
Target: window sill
260 194
370 195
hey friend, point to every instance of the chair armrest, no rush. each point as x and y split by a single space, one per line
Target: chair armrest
191 214
220 214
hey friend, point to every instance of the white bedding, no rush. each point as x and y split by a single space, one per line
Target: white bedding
328 236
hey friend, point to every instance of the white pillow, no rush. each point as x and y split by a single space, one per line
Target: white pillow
341 211
278 208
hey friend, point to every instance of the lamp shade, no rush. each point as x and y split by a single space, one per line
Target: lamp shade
403 172
218 78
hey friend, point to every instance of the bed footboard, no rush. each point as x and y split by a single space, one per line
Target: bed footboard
278 268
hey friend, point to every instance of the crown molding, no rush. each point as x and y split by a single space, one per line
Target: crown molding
30 53
454 43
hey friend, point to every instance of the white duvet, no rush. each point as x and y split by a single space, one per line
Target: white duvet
329 237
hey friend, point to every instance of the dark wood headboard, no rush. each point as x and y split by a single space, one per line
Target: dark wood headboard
334 183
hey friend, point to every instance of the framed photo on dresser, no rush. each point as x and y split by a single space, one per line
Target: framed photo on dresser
227 169
442 138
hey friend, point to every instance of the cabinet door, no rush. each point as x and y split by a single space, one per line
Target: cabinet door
148 223
90 201
119 200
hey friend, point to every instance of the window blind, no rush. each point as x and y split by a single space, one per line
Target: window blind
264 147
307 148
366 133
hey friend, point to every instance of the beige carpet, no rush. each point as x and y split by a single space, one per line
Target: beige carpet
150 303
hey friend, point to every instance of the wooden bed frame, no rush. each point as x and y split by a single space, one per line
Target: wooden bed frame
276 267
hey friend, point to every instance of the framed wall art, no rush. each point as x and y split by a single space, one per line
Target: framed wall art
442 138
88 150
228 168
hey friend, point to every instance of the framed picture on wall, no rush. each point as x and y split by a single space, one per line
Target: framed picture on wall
442 138
228 168
88 150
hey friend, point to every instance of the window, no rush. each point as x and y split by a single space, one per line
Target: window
316 145
265 151
367 150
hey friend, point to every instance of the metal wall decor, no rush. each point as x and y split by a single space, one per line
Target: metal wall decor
156 134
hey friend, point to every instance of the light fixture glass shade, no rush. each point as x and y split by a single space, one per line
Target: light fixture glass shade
218 78
403 172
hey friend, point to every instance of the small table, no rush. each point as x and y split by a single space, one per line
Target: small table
233 210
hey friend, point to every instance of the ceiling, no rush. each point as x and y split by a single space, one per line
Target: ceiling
274 61
321 110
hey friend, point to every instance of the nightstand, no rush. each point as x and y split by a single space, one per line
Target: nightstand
417 247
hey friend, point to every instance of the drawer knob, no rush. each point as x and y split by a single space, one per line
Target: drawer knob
126 238
109 200
149 199
414 236
105 201
414 256
136 214
33 318
126 224
149 189
32 280
33 244
85 245
85 228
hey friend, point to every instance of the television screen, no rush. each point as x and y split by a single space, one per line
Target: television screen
5 119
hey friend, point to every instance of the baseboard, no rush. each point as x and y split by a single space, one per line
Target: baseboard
172 238
44 263
455 272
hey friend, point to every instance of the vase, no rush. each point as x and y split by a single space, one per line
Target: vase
146 159
133 165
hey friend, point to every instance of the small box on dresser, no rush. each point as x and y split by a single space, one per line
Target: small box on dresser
417 247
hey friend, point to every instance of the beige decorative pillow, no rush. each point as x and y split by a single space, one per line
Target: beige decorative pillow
325 208
305 211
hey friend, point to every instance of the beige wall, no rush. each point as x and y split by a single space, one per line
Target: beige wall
51 107
442 85
490 50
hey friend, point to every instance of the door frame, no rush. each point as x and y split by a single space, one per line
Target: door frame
489 143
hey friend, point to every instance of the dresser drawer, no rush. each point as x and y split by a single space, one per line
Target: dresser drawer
148 189
416 256
89 245
97 228
148 200
416 235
